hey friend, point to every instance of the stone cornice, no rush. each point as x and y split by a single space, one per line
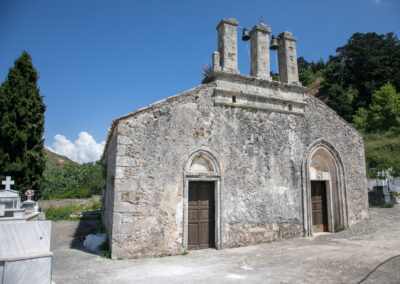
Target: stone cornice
262 28
256 81
229 21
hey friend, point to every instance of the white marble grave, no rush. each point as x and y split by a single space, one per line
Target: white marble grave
14 210
25 255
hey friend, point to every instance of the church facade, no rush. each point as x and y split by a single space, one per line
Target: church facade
238 160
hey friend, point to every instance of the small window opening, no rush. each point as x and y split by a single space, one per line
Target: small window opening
233 99
290 107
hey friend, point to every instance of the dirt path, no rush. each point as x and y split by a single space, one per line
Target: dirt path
367 252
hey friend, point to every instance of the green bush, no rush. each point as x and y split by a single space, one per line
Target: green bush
388 205
382 153
72 181
63 213
60 213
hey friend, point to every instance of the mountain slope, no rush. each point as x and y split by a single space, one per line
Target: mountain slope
55 160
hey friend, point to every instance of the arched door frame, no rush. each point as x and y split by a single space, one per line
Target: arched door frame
340 186
215 177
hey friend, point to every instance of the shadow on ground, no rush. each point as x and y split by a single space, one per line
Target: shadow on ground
383 273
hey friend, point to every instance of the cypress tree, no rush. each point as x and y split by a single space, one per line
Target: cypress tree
21 126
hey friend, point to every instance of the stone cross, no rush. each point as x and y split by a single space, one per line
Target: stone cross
8 182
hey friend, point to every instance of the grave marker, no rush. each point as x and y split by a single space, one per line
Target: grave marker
8 182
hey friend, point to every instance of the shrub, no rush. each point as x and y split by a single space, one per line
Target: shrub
63 213
388 205
60 213
72 181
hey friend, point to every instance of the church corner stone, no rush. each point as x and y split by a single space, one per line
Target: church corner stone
236 161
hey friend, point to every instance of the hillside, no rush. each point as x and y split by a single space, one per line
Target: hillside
382 153
64 178
54 160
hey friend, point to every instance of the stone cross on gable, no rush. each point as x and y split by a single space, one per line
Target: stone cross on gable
8 182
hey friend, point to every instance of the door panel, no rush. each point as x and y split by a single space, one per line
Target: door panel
319 207
193 234
201 215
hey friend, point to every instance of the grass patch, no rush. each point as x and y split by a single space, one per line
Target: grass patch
388 205
63 213
107 255
382 153
60 213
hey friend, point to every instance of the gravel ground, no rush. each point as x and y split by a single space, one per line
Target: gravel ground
367 253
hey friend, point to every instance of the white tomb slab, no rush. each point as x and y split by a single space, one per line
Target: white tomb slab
25 255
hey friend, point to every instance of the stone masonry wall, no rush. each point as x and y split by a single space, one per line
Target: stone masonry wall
260 155
108 193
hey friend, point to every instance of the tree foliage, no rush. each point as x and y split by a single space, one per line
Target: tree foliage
363 65
383 114
382 153
21 126
72 181
309 71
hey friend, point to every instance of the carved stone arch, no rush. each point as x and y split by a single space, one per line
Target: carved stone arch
202 166
323 162
201 159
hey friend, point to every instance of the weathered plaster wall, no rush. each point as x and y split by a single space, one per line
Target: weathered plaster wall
260 154
325 123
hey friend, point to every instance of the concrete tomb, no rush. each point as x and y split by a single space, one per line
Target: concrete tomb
13 209
25 255
238 160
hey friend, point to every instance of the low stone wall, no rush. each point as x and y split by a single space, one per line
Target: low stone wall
45 204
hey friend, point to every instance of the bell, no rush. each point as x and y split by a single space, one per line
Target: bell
274 43
245 36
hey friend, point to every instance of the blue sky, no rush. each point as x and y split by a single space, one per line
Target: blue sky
99 60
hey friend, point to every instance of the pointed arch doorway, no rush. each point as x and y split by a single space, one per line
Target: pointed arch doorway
202 201
325 205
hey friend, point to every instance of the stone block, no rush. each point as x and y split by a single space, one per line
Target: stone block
122 207
124 140
125 161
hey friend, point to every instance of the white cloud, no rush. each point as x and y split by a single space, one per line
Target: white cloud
383 2
84 149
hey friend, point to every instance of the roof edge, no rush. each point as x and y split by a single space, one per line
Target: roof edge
115 122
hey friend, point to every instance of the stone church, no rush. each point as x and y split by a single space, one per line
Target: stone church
236 161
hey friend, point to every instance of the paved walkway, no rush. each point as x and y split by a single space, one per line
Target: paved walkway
366 252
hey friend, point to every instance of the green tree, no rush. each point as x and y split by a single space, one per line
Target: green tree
384 111
308 72
338 99
21 126
383 114
72 181
365 63
360 120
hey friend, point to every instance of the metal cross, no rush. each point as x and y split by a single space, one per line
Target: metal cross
8 182
261 20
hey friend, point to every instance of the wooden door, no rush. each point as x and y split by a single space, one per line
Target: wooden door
319 208
201 215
